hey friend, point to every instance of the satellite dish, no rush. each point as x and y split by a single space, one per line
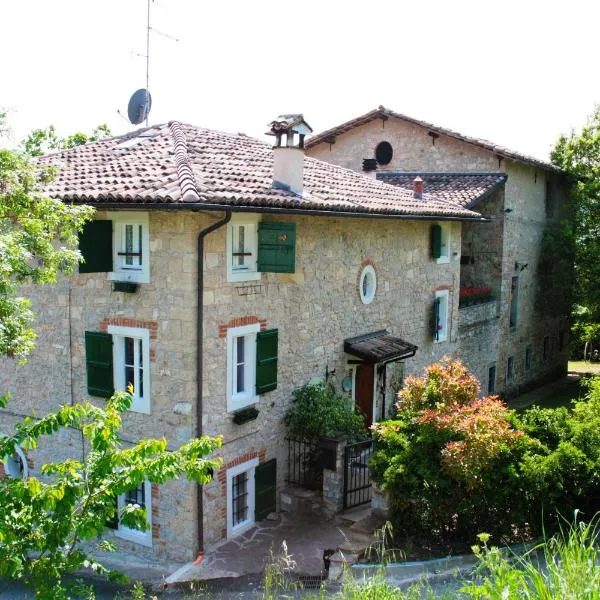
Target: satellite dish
139 106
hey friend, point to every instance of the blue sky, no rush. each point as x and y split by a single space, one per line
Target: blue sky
516 73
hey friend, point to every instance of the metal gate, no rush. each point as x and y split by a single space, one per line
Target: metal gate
357 482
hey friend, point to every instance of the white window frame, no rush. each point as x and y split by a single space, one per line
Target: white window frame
249 272
143 538
237 401
139 274
23 468
445 244
240 528
444 315
367 271
119 333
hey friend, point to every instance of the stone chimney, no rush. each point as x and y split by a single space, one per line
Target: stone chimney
418 188
288 157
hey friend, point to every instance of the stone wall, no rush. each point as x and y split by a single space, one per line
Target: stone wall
500 249
314 309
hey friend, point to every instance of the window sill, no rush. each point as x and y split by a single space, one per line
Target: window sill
443 260
245 276
129 276
143 538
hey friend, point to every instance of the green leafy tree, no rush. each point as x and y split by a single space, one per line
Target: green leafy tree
579 155
38 241
42 141
43 522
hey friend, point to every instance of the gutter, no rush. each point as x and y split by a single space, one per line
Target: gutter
199 358
201 206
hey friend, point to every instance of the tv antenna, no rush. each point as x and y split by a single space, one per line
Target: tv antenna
140 102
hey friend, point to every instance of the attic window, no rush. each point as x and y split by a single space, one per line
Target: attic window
384 153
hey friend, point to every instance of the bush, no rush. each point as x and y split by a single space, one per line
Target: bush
456 464
316 411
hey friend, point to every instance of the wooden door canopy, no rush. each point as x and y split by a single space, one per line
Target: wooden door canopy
379 347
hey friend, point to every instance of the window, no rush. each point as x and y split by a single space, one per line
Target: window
384 153
241 379
252 360
367 284
131 247
546 348
142 497
510 368
440 316
528 358
15 466
440 242
514 302
241 497
242 248
492 380
561 340
131 364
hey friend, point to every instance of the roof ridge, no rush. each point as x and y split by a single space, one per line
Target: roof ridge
185 175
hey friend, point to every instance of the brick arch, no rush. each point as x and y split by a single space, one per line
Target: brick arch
240 322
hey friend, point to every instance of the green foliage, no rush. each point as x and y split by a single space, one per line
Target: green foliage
316 411
455 464
43 522
43 141
565 566
38 240
579 155
555 271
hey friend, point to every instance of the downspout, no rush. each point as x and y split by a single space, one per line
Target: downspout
199 347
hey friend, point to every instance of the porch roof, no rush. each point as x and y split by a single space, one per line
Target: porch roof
379 347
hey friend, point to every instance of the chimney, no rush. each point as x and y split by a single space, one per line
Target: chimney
418 188
288 159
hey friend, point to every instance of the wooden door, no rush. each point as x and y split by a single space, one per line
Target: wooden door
363 393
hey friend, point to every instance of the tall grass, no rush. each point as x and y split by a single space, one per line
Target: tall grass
565 567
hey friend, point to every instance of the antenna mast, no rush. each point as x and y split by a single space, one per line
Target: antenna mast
148 59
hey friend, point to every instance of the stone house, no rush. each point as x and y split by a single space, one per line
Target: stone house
222 273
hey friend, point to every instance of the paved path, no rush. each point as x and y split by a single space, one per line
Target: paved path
306 537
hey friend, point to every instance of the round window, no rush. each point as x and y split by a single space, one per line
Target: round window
15 466
367 284
384 153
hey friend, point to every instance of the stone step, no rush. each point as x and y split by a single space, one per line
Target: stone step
300 500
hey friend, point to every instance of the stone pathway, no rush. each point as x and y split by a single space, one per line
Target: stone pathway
306 537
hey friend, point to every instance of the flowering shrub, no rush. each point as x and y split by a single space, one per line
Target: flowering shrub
474 295
456 464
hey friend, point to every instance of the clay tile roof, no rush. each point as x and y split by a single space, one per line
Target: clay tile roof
464 189
181 164
384 113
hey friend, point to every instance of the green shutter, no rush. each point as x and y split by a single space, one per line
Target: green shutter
265 489
277 247
436 241
436 318
99 362
266 360
95 245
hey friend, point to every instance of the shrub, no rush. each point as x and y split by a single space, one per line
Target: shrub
456 464
316 411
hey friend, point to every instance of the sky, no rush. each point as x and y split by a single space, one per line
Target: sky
518 73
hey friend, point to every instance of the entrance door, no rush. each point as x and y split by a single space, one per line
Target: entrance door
363 394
